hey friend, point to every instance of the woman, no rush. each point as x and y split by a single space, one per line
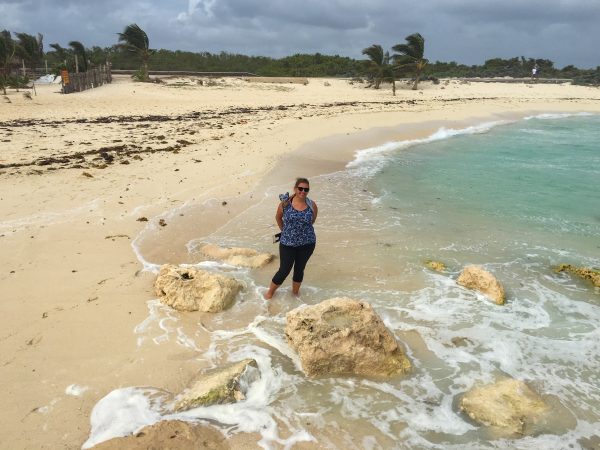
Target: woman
295 217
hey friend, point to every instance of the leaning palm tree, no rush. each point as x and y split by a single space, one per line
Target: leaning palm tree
379 63
79 50
7 48
62 54
7 52
134 39
411 54
30 48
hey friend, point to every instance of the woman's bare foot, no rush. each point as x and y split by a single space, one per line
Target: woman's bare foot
269 294
296 289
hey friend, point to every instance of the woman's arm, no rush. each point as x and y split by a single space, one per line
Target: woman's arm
279 216
315 211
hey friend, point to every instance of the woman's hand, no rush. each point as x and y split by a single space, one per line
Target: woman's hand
279 216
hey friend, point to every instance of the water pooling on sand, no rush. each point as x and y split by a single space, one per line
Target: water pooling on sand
517 198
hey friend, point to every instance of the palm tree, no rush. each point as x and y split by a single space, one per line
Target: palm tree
30 48
62 54
136 40
411 54
79 50
7 52
379 63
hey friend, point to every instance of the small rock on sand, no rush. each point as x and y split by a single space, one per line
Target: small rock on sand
218 386
508 405
189 289
237 256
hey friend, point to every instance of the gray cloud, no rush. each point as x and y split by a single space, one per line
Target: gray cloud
466 31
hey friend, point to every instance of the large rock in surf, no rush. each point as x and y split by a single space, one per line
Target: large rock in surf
169 434
509 405
237 256
582 272
189 289
479 279
341 336
222 385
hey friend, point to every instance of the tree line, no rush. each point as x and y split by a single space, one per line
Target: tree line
132 51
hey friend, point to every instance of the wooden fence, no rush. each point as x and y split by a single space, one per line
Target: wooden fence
77 82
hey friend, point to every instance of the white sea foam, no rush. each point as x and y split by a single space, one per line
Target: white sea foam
124 411
76 390
419 403
163 318
372 158
533 131
554 116
497 339
152 227
147 266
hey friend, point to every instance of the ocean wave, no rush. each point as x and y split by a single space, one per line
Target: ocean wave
552 116
379 154
126 410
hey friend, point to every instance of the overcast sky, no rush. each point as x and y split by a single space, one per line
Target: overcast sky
466 31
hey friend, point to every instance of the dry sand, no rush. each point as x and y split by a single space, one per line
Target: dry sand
77 171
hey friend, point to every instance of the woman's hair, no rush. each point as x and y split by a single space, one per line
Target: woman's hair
285 203
301 180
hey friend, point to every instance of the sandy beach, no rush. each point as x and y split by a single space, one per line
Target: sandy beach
82 175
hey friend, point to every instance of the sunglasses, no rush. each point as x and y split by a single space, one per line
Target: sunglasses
303 189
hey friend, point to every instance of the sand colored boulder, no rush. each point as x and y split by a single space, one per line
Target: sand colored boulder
169 434
222 385
478 279
237 256
342 336
508 405
436 265
189 289
582 272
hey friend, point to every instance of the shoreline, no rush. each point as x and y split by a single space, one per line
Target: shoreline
76 288
317 158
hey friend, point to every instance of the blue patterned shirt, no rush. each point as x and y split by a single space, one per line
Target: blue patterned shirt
297 226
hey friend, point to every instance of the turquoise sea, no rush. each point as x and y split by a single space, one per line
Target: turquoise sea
517 198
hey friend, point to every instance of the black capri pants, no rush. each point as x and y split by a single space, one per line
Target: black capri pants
292 256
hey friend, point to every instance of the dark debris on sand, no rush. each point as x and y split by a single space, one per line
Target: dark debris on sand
101 158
